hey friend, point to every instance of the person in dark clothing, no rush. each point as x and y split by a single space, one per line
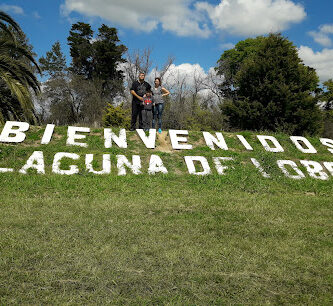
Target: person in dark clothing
147 112
138 90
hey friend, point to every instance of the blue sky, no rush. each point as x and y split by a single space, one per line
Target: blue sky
194 32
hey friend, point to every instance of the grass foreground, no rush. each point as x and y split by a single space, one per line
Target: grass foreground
237 238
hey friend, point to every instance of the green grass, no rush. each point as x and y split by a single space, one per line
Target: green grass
165 239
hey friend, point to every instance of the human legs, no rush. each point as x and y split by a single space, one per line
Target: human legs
153 122
136 110
147 116
144 119
159 114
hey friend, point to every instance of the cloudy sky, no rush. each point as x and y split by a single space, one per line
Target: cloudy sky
195 32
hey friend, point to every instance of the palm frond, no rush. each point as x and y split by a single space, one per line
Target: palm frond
4 17
20 72
16 72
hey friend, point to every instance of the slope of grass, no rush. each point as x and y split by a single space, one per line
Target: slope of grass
164 239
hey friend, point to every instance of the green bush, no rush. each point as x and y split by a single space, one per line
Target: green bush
116 116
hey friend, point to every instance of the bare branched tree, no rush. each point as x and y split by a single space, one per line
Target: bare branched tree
140 61
160 73
136 61
212 83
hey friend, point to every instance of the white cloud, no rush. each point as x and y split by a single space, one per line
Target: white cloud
322 36
144 15
190 79
181 75
322 61
226 46
253 17
36 15
12 9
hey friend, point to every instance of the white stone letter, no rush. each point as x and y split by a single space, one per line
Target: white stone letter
263 139
218 140
191 168
244 142
135 166
315 169
47 134
218 165
329 167
120 140
4 170
328 143
260 168
56 163
35 161
175 139
72 136
309 147
283 163
18 132
150 140
156 165
106 164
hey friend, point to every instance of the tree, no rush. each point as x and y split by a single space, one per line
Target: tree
5 21
108 55
55 88
326 99
97 58
267 86
69 98
81 50
17 77
327 94
54 63
136 61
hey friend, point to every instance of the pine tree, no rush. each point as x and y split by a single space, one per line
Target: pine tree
269 87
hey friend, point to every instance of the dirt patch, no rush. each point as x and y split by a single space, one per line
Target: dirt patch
95 134
178 172
57 136
134 137
199 143
164 143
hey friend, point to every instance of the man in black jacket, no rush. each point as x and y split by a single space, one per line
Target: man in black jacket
138 90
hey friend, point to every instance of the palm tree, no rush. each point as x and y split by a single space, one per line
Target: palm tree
6 19
16 73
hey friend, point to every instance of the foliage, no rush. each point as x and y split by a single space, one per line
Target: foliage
97 58
80 93
328 124
17 77
268 87
54 63
327 94
116 116
6 20
68 97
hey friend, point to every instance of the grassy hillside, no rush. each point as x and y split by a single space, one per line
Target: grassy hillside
164 239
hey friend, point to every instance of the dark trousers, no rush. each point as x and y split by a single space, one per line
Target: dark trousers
136 110
147 117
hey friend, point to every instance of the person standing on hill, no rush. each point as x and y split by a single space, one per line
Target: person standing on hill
159 92
138 90
147 112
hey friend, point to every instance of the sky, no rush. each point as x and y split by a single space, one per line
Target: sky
194 32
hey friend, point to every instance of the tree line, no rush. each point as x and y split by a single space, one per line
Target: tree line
260 84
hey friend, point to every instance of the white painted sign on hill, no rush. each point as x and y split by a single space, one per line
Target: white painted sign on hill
15 133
